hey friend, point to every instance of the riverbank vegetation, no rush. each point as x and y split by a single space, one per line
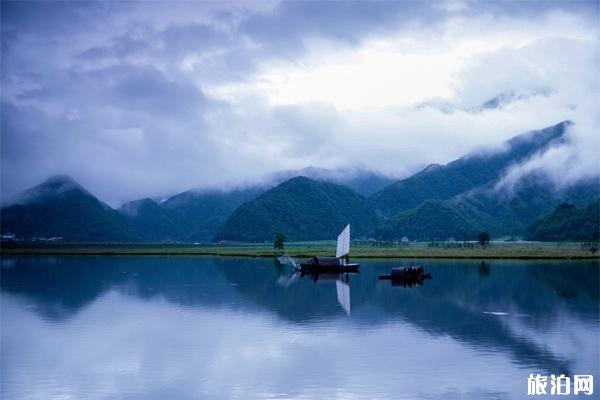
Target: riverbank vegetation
360 249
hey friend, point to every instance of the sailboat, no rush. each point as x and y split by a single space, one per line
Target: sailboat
317 264
339 263
326 269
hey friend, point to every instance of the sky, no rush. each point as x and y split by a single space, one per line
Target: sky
142 99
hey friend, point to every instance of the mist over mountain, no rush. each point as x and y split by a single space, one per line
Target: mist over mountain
200 214
362 181
143 99
150 221
463 197
485 208
497 102
441 201
192 216
52 188
441 182
61 208
303 209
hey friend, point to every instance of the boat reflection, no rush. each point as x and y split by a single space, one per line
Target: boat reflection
341 280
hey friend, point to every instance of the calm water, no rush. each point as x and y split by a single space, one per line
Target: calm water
224 328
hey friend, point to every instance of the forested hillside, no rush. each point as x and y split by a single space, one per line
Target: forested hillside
301 208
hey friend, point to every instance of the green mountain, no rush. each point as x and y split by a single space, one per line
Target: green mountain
454 200
60 207
461 198
301 208
150 221
199 215
431 220
362 181
567 222
441 182
496 211
365 183
508 212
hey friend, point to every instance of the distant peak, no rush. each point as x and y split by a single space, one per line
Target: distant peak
60 183
140 202
51 187
431 167
60 179
299 179
311 169
133 208
542 137
511 96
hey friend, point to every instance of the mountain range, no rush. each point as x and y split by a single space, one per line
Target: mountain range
441 201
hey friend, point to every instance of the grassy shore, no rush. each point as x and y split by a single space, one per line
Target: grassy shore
501 250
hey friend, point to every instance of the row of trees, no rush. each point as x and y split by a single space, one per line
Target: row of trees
483 238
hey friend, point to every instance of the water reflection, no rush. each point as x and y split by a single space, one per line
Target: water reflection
341 281
98 327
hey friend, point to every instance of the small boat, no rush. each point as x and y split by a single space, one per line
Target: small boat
327 265
407 276
334 265
338 264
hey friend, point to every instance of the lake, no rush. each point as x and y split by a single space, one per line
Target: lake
241 328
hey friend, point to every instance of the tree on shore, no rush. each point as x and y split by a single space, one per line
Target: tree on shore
483 238
279 242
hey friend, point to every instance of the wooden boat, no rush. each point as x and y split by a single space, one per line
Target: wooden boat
338 264
327 265
334 265
407 276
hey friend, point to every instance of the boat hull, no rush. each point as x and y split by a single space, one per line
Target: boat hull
328 269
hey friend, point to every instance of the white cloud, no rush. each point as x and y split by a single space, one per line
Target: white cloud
414 65
201 99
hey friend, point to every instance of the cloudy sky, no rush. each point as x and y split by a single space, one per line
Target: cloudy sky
139 99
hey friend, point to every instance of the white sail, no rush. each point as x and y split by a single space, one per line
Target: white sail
343 242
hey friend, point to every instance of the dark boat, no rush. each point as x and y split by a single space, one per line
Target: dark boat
327 265
407 276
338 264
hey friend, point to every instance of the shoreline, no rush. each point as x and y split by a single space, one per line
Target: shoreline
537 251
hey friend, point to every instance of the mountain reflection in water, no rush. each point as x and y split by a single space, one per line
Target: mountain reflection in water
152 327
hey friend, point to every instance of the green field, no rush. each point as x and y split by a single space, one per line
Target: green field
500 250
